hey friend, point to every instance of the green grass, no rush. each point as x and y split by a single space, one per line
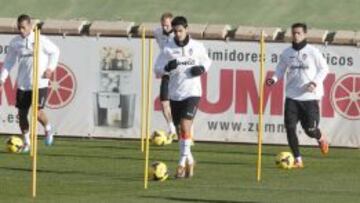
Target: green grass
329 14
82 170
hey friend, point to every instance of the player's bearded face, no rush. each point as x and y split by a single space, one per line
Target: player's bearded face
180 32
24 28
166 24
298 34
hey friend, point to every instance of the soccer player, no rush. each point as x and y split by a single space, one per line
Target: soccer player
21 51
305 69
163 35
185 60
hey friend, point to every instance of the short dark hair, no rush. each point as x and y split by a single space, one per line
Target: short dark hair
179 20
23 17
166 15
302 25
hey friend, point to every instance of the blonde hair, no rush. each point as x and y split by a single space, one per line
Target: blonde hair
166 15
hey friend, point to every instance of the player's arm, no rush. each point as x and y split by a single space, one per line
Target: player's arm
163 64
322 68
204 64
279 71
157 37
9 62
53 53
160 62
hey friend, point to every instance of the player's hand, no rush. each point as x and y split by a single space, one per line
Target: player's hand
311 86
197 70
48 73
172 65
1 87
270 82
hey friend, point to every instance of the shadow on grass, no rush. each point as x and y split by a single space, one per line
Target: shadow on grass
93 156
184 199
241 151
75 172
210 162
197 150
135 147
139 158
100 147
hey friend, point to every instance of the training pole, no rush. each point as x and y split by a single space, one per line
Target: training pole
148 113
143 96
34 108
261 103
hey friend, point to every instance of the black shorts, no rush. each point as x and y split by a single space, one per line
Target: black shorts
164 88
307 112
23 98
185 109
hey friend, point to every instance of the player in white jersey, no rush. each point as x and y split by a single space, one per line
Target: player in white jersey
21 52
163 35
305 69
185 60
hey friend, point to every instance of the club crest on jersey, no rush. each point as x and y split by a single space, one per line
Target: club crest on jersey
304 57
191 51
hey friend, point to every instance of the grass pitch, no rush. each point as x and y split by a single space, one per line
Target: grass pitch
82 170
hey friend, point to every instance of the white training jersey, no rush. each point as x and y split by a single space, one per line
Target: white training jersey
301 67
161 37
21 51
182 84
